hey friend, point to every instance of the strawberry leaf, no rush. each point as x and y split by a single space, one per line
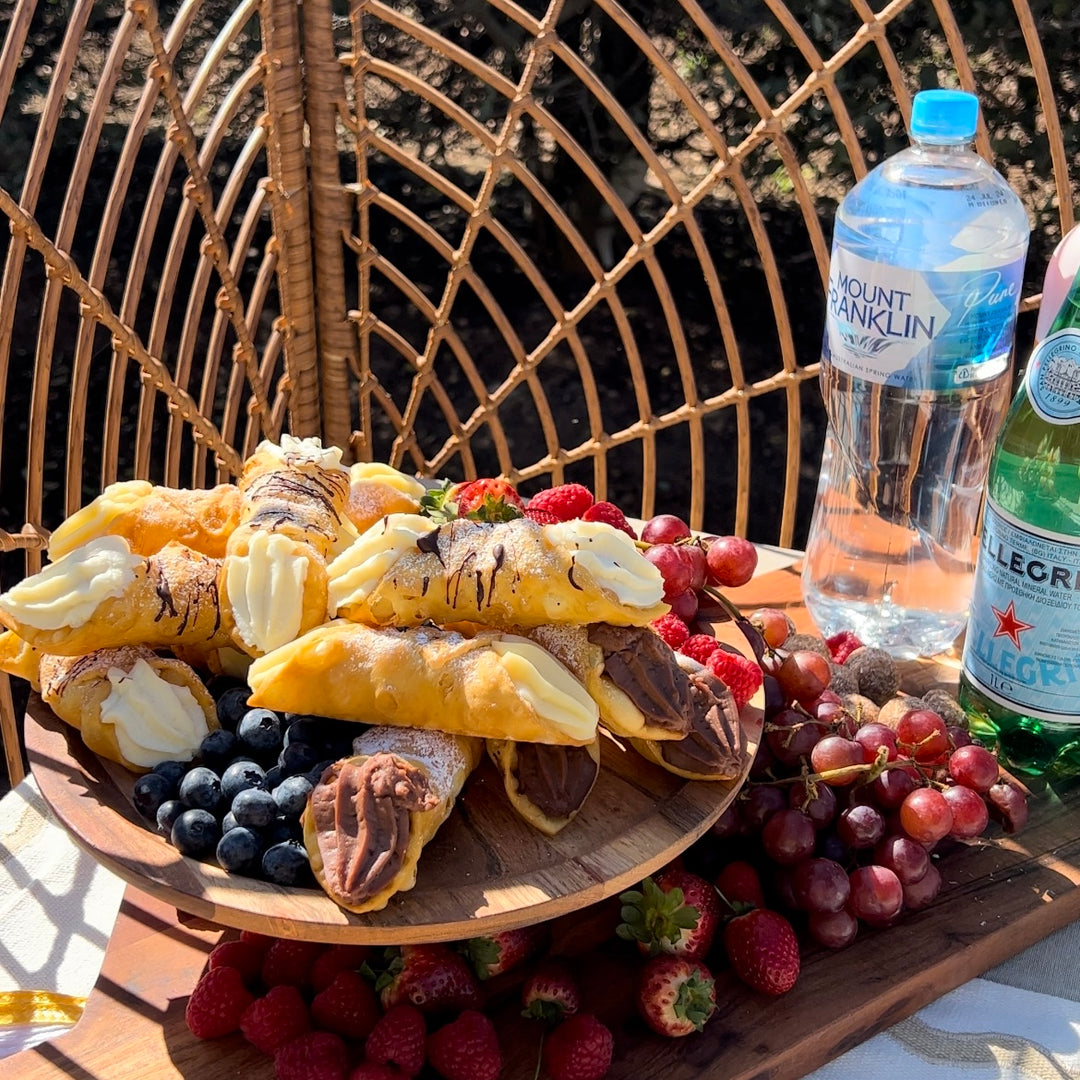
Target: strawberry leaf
435 503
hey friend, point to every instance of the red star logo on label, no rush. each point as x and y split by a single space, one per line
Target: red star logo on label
1009 625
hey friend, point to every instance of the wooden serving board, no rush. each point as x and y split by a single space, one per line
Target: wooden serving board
486 869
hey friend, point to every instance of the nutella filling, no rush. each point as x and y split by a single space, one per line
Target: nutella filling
361 818
641 664
555 779
715 743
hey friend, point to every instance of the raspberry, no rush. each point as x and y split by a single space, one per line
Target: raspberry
337 958
348 1006
217 1003
672 629
399 1038
612 515
253 937
579 1049
740 675
541 517
276 1018
699 647
842 645
245 956
466 1049
315 1056
288 961
370 1070
565 501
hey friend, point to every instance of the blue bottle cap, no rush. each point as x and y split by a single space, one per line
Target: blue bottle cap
944 116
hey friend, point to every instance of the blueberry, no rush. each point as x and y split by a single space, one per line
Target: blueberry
315 774
231 706
173 771
274 776
240 776
303 729
254 808
239 851
291 795
299 758
286 864
282 830
195 833
260 732
201 789
149 792
167 814
217 749
219 684
228 822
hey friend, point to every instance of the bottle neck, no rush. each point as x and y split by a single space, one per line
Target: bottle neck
1069 313
955 148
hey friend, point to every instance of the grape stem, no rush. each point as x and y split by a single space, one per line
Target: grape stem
871 770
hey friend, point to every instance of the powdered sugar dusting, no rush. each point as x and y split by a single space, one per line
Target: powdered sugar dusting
443 757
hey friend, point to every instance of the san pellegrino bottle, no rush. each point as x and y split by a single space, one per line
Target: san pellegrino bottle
924 286
1020 678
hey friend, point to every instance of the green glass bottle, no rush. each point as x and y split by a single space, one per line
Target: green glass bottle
1020 680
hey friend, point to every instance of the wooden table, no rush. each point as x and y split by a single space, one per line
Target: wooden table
997 899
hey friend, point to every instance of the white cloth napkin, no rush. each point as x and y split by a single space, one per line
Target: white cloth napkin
57 910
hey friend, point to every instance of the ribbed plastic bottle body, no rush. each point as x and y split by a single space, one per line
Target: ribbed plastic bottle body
927 265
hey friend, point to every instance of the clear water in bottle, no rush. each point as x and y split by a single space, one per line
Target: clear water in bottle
928 257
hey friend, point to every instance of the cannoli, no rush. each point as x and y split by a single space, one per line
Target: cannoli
19 658
405 570
101 595
492 685
376 490
130 705
546 785
632 674
273 578
148 517
716 745
369 817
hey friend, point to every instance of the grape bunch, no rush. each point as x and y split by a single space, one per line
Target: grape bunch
857 787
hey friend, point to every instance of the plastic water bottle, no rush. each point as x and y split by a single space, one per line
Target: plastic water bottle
927 264
1020 680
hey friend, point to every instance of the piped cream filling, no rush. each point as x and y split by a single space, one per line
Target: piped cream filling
66 593
153 720
612 559
265 588
362 472
294 452
94 519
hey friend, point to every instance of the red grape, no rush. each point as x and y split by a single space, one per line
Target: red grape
959 736
664 529
905 857
833 929
926 816
816 801
974 767
791 736
761 802
921 734
1008 805
729 823
672 566
694 554
803 675
892 787
877 897
684 604
731 561
820 885
773 625
921 893
788 837
969 812
835 752
874 735
860 826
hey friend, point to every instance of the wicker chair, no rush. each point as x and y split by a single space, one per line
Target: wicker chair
566 240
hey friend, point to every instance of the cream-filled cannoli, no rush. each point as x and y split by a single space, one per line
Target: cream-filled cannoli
492 685
716 745
130 705
376 490
370 815
19 658
406 570
102 595
148 517
546 785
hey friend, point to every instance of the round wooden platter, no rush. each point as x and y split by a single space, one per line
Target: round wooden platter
486 870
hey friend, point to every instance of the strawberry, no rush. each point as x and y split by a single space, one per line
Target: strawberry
699 647
319 1055
740 885
487 499
763 950
541 517
466 1049
278 1017
337 958
399 1038
672 629
431 977
348 1006
217 1003
565 501
738 673
550 993
245 956
842 645
502 951
677 913
370 1070
676 995
611 515
289 961
579 1049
